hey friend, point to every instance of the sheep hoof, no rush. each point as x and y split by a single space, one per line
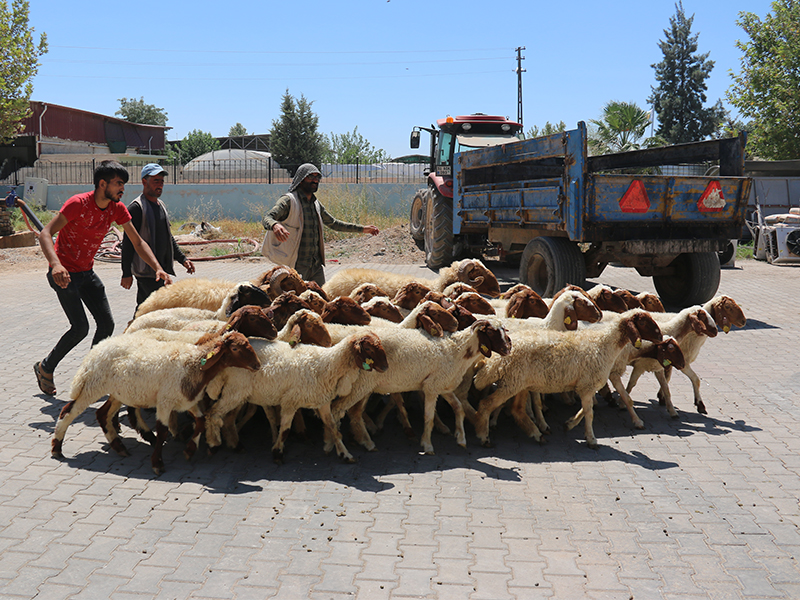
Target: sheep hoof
487 444
212 450
277 457
158 468
542 441
119 447
638 424
347 458
701 408
592 444
674 415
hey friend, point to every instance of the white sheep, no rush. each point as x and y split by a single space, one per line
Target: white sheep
470 270
222 297
142 372
304 376
555 361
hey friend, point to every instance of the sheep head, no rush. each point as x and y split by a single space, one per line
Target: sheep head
366 292
462 315
245 294
607 300
315 287
285 279
346 311
587 310
315 301
667 353
475 303
252 321
410 295
514 289
727 312
369 353
639 326
229 350
702 323
306 327
439 298
474 273
628 298
650 302
492 338
526 303
435 319
383 308
284 306
454 290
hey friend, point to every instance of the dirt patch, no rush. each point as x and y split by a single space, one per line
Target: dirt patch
391 246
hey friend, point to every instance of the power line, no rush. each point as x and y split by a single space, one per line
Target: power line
46 61
164 51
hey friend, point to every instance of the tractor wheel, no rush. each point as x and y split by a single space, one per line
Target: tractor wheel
694 280
438 230
550 263
416 223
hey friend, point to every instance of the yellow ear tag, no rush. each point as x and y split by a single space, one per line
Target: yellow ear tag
484 348
667 362
726 328
567 320
637 344
210 355
292 343
228 326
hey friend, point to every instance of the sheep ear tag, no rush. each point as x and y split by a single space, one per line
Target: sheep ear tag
666 362
209 359
638 343
367 364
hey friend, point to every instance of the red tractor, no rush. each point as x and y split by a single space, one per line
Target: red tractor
431 221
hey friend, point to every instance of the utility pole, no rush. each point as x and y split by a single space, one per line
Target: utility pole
520 71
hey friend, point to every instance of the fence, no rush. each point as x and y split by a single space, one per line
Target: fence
226 171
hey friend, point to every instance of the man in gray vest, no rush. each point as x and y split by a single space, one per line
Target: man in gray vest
294 227
149 217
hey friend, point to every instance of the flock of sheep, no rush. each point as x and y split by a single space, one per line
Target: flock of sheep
218 350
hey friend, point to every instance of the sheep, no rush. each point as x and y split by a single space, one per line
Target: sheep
410 295
475 303
628 298
650 302
470 270
725 312
555 361
314 300
284 306
280 279
141 372
454 290
382 308
216 295
345 310
433 365
606 299
294 378
366 292
248 320
524 304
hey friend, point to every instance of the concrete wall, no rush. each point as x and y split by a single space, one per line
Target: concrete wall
242 201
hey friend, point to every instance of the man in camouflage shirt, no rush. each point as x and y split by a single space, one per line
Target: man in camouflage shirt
294 227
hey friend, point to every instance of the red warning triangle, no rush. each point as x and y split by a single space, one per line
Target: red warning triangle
712 199
635 200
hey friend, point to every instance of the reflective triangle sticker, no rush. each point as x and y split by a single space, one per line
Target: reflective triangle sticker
635 199
712 199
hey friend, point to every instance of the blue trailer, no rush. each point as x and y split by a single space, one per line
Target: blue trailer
566 215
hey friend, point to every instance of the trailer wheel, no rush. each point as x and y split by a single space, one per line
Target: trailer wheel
438 230
416 224
695 280
549 263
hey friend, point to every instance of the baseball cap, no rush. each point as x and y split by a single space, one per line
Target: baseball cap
152 169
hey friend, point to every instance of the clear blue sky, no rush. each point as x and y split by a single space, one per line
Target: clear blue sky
383 66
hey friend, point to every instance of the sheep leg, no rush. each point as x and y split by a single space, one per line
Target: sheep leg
106 416
487 405
199 427
586 413
247 412
634 378
230 429
538 412
439 424
156 460
68 414
332 430
287 416
495 416
668 374
698 401
299 425
429 411
664 391
520 414
139 424
616 381
357 426
368 422
273 418
458 409
397 401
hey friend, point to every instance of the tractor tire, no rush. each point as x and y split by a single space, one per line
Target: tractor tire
416 223
438 231
695 280
548 264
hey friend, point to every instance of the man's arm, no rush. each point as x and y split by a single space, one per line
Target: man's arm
332 222
277 213
127 247
60 274
180 256
143 250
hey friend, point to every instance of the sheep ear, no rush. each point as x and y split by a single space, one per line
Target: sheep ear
570 318
429 325
212 356
484 343
295 334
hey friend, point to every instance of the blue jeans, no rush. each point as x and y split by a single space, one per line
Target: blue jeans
86 288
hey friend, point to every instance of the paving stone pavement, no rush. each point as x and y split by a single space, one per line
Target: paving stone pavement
703 506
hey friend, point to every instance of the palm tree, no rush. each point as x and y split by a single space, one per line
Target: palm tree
621 128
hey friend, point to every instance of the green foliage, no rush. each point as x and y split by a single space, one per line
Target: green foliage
768 88
294 138
196 143
19 62
548 129
681 92
237 129
137 111
621 129
349 148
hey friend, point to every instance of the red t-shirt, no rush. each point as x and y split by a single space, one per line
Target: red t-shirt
87 225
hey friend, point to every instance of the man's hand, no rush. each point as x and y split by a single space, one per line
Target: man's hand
189 266
61 276
281 233
126 282
371 229
162 275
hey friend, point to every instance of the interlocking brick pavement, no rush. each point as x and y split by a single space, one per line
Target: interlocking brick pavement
703 506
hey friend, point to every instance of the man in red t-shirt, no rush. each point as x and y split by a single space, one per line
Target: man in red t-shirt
81 225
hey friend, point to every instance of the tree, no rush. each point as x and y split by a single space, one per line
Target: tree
679 97
196 143
768 89
294 138
621 129
349 148
137 111
19 62
548 129
237 130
